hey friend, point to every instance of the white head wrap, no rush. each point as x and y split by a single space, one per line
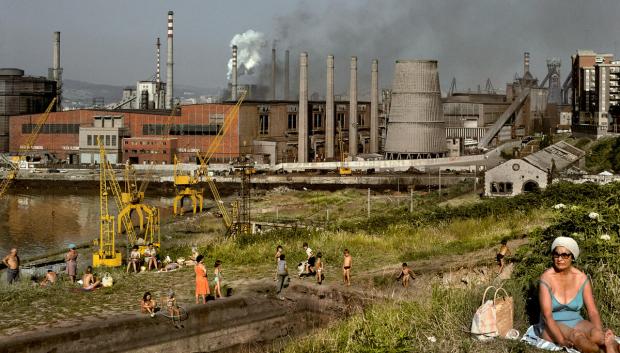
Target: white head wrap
568 243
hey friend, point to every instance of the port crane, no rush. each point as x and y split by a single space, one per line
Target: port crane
106 255
32 138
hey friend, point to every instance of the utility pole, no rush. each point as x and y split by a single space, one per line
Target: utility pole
439 171
368 201
411 200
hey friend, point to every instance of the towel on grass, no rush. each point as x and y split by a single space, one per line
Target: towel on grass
532 337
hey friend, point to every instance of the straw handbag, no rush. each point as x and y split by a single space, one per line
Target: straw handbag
494 317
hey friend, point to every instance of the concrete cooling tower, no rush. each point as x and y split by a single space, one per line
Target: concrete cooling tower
416 128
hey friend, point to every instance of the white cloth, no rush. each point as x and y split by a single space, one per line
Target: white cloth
308 252
568 243
532 337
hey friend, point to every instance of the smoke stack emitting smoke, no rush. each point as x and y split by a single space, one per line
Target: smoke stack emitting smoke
249 46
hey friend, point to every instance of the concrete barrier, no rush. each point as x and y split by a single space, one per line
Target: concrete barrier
221 324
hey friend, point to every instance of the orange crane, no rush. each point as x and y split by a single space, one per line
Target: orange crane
23 151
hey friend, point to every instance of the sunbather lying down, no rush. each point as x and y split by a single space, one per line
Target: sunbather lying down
563 292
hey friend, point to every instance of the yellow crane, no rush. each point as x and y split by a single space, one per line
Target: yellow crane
12 174
185 187
232 114
106 255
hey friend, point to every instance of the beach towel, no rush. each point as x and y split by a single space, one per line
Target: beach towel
532 337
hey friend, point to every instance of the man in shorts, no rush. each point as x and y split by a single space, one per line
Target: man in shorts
346 267
12 264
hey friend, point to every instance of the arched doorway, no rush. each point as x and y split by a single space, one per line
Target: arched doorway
530 186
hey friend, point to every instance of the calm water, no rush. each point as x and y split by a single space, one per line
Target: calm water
37 224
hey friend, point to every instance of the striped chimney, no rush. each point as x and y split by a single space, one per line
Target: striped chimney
169 66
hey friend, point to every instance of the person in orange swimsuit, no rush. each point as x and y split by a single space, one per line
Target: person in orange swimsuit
202 282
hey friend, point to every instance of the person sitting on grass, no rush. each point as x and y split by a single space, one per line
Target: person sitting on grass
89 281
148 305
50 278
134 259
150 257
563 292
173 309
405 275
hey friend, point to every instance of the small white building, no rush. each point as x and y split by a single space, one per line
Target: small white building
531 173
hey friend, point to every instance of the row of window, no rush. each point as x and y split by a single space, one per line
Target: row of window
108 140
148 143
52 128
147 151
181 129
317 122
501 188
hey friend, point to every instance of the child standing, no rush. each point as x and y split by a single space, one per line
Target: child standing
318 265
217 280
279 250
405 275
173 309
346 267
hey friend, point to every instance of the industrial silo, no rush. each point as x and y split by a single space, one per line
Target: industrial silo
20 95
415 128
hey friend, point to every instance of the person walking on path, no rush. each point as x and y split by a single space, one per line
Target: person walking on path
202 282
346 267
319 268
217 280
279 251
71 261
282 275
501 254
11 261
405 275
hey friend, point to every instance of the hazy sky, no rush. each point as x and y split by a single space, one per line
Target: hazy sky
112 41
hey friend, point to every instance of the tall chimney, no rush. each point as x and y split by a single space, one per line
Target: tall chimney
233 95
158 72
273 73
286 77
329 109
374 107
302 126
526 62
169 64
56 69
353 108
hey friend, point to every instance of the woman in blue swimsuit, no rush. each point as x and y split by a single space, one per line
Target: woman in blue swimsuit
564 290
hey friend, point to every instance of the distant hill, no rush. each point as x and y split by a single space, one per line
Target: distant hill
81 94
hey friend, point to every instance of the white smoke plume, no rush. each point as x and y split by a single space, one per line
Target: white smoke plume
249 46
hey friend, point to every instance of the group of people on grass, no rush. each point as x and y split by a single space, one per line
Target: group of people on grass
148 258
89 281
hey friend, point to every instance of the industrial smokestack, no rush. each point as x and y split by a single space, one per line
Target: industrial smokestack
56 69
329 109
526 63
169 66
353 108
233 84
374 107
286 76
158 54
273 73
302 127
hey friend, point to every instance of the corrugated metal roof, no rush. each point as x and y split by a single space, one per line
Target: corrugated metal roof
562 153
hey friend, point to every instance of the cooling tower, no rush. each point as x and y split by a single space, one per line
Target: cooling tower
416 128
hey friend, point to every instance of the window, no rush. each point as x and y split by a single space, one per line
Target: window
53 128
107 140
182 129
89 140
317 120
501 188
263 124
340 122
292 122
113 140
360 120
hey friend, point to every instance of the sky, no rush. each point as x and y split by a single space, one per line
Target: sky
113 41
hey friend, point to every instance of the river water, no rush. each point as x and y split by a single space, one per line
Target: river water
38 223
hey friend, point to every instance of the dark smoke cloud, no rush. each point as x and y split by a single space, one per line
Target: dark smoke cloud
473 40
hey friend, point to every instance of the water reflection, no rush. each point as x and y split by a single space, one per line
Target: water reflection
36 224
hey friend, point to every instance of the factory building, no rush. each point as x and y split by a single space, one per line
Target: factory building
21 94
268 130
